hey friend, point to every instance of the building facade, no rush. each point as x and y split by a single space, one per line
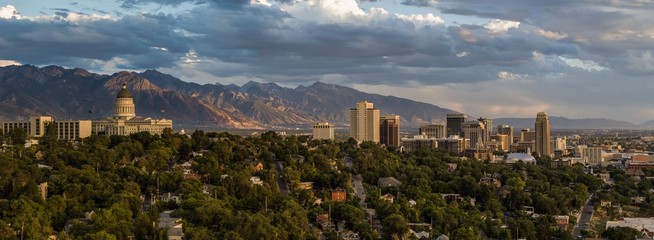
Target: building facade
389 130
506 130
454 122
419 142
323 131
453 144
72 129
488 123
364 122
432 131
476 132
124 120
542 127
34 128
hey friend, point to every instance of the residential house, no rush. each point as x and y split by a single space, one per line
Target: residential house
388 198
389 182
338 195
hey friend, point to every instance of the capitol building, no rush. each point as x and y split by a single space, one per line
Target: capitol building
122 122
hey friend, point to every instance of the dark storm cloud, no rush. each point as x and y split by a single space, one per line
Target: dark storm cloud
270 43
48 42
263 40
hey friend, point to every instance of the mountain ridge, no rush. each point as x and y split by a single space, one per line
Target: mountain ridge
79 94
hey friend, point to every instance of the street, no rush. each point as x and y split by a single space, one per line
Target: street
583 222
283 186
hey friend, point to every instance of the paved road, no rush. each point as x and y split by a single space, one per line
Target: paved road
584 220
283 186
359 190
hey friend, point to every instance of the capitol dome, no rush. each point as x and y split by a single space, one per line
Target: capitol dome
124 93
124 106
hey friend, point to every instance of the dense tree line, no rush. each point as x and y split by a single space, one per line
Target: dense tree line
97 189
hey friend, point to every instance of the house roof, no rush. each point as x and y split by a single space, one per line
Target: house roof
389 182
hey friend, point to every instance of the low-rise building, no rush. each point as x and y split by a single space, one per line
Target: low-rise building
338 195
389 182
453 144
419 142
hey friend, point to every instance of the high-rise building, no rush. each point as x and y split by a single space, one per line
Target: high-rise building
506 130
503 141
389 130
454 122
323 131
432 130
364 122
488 123
476 132
542 128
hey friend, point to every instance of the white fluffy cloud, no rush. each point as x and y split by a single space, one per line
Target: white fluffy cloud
500 26
9 12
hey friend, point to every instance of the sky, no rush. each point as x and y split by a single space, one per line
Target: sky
491 58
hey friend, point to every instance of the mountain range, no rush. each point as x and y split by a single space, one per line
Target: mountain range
79 94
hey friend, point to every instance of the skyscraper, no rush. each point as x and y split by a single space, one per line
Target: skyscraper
454 121
506 130
389 130
542 128
364 122
476 132
488 123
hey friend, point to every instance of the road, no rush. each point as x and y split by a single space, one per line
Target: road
585 216
359 190
283 186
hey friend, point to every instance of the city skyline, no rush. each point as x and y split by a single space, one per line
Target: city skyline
561 57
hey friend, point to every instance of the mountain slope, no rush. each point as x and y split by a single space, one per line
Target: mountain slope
272 104
78 94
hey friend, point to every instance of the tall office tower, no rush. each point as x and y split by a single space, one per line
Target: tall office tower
488 123
323 131
506 130
389 130
476 132
454 122
364 122
542 128
432 131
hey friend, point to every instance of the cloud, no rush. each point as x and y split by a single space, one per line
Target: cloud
9 12
551 35
502 53
4 63
501 26
422 3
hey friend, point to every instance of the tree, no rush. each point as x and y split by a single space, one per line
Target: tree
620 233
17 136
395 226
